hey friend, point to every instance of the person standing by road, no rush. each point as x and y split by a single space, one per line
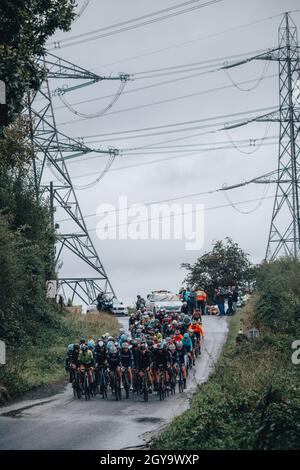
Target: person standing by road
220 300
201 300
191 301
229 296
235 296
140 302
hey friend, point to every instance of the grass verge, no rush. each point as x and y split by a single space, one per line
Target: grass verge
43 360
251 401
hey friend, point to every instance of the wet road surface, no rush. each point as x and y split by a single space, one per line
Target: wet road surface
62 422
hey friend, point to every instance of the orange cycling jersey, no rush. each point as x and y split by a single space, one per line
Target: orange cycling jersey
177 338
197 329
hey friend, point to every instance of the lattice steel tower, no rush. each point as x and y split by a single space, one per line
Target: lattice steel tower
52 149
284 235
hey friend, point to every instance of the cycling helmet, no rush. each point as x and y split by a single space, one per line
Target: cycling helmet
122 331
70 347
172 347
84 348
123 338
143 347
161 346
82 341
100 344
179 345
113 350
186 335
91 343
125 345
177 332
110 338
134 343
174 322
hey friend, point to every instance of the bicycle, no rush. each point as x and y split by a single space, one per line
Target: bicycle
77 388
181 381
102 381
116 385
172 380
162 389
86 384
125 381
143 386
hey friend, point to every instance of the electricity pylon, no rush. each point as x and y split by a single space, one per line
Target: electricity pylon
51 149
284 234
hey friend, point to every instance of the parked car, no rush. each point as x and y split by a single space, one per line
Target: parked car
114 307
119 309
163 299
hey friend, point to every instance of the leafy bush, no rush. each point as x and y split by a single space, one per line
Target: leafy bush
252 400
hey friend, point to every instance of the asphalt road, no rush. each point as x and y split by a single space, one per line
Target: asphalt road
62 422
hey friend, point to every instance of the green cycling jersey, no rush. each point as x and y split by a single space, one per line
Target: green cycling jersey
86 358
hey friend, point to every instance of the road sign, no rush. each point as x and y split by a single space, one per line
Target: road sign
51 288
2 353
3 106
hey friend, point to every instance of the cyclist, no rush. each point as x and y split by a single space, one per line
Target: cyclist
161 359
143 365
188 346
181 356
86 362
126 361
173 357
114 362
198 331
177 337
101 354
69 359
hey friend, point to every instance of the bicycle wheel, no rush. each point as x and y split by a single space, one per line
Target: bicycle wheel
145 389
126 383
86 387
180 382
161 389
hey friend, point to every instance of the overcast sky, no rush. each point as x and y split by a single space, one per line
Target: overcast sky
213 32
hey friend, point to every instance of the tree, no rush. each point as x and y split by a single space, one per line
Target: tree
24 29
226 265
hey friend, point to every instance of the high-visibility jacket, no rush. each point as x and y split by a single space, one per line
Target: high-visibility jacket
200 295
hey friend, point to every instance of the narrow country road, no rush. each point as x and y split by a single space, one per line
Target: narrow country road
61 422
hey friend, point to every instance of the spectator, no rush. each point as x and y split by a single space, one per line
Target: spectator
140 302
201 300
229 296
220 300
235 296
184 308
191 301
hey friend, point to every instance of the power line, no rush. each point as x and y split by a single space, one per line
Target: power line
176 98
153 85
200 38
159 160
82 38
